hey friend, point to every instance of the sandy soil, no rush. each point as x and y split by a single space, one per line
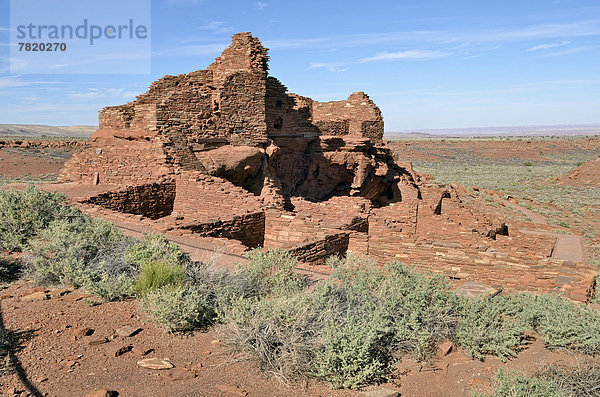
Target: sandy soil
21 163
56 359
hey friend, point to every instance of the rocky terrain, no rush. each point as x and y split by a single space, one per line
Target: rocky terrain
224 160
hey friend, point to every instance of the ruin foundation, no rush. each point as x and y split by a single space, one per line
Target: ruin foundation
226 154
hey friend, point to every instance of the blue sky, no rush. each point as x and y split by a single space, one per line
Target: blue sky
427 64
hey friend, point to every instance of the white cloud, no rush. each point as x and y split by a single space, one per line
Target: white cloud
570 51
92 93
330 67
17 81
413 55
261 5
95 93
12 82
546 46
216 27
583 28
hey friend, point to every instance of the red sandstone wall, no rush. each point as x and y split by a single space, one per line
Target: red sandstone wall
359 111
249 229
154 200
120 162
317 252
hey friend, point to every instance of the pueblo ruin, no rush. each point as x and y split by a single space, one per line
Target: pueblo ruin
226 157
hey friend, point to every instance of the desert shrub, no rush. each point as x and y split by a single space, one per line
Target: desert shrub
178 308
497 326
583 379
356 352
155 248
563 323
222 288
24 213
382 315
161 263
350 329
490 327
66 251
109 286
516 384
272 272
109 275
283 332
156 275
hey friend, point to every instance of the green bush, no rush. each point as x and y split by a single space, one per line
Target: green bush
161 263
350 329
110 287
178 308
24 213
497 326
356 352
272 272
490 327
67 250
155 275
380 316
156 248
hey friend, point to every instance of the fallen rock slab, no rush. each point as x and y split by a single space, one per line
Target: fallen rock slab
155 363
97 341
122 350
381 393
36 296
128 331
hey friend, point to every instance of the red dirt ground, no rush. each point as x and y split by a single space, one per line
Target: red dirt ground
586 175
20 163
57 362
524 149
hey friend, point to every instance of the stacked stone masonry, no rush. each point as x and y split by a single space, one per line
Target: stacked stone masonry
227 154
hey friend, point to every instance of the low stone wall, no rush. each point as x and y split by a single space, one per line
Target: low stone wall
42 144
316 252
249 229
153 200
120 162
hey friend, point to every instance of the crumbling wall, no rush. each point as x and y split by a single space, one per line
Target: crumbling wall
249 229
153 200
121 162
287 115
359 112
317 252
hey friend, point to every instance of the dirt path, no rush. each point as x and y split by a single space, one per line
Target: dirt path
533 216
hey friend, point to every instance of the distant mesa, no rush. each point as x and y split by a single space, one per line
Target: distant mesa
34 130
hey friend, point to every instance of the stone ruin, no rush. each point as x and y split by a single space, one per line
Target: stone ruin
226 155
